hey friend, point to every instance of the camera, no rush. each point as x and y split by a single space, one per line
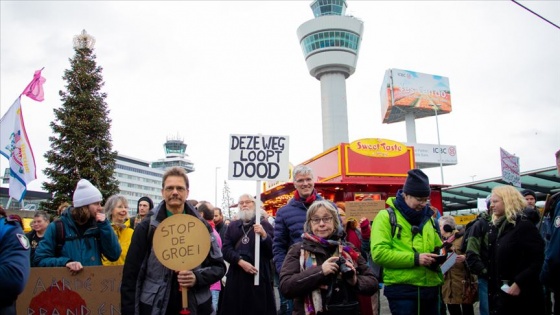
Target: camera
346 271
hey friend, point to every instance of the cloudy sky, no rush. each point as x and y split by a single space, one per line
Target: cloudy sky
202 70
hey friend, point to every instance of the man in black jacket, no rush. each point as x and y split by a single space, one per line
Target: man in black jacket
147 286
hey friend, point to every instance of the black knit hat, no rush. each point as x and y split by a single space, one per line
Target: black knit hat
529 192
417 184
147 199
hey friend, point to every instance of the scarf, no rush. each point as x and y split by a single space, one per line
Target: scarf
313 302
309 200
414 217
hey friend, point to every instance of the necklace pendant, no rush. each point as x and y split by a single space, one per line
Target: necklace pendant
245 240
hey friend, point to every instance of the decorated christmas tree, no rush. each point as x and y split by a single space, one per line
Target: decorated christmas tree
81 142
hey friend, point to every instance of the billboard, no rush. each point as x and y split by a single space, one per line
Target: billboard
403 92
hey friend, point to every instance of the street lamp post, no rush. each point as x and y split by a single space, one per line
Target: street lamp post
435 106
216 187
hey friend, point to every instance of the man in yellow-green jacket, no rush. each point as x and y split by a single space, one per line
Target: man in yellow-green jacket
408 249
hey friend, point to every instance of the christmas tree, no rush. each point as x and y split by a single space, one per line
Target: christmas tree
81 142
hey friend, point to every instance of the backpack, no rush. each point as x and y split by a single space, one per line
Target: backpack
60 237
466 235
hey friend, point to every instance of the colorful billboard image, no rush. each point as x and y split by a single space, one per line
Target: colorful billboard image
404 92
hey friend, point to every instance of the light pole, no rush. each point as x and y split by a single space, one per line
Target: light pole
436 107
216 187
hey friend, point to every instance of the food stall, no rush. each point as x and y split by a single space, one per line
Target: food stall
370 169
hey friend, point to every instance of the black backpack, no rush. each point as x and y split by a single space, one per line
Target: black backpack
467 234
60 237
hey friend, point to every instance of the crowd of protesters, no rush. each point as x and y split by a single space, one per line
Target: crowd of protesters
321 260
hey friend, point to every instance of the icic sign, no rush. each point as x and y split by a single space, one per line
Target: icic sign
181 242
258 157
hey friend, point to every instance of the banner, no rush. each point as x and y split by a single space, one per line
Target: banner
258 157
95 290
15 146
510 168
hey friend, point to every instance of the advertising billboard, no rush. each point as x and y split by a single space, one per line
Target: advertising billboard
403 92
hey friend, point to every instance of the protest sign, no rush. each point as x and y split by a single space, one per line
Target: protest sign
258 157
94 290
367 209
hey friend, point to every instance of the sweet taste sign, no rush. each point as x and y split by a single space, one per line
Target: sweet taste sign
258 157
376 147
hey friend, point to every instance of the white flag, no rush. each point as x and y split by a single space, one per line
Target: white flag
15 146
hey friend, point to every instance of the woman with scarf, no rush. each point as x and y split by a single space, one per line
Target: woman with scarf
323 273
516 256
116 209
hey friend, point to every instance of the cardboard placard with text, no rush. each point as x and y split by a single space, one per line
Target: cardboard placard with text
359 209
95 290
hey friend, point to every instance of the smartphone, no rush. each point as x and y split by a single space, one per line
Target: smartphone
441 259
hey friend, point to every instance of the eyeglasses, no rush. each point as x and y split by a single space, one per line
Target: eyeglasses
421 200
304 180
172 188
245 202
318 220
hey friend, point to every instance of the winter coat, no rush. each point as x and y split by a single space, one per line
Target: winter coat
148 287
516 254
296 284
550 226
14 263
124 235
288 228
98 239
453 280
477 246
240 295
397 254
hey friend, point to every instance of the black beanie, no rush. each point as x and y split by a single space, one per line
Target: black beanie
417 184
529 192
147 199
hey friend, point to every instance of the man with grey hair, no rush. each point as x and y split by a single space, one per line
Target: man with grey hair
289 221
241 295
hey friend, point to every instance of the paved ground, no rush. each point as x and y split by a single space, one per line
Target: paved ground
384 307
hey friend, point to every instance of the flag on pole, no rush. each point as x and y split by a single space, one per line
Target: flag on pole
34 89
15 146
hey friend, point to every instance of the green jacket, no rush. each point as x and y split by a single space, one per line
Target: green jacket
396 255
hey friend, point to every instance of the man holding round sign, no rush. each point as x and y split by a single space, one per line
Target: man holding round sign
172 252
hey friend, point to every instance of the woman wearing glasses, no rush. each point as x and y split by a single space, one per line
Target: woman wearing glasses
323 273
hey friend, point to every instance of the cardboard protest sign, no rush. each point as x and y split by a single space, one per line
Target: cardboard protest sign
181 242
95 290
359 209
258 157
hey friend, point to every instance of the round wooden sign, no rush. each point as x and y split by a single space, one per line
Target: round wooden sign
181 242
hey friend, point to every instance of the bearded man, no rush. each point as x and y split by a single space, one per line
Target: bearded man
240 295
87 234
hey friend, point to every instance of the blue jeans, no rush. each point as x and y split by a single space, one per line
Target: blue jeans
483 296
410 306
215 297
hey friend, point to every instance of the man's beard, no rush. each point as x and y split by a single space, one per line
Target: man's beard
246 215
81 215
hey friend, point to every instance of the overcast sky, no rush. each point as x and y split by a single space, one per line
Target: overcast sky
203 70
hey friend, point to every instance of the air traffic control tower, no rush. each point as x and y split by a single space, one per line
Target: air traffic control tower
330 44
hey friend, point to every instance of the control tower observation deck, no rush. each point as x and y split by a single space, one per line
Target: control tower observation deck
330 44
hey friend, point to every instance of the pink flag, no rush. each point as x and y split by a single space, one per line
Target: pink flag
34 89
